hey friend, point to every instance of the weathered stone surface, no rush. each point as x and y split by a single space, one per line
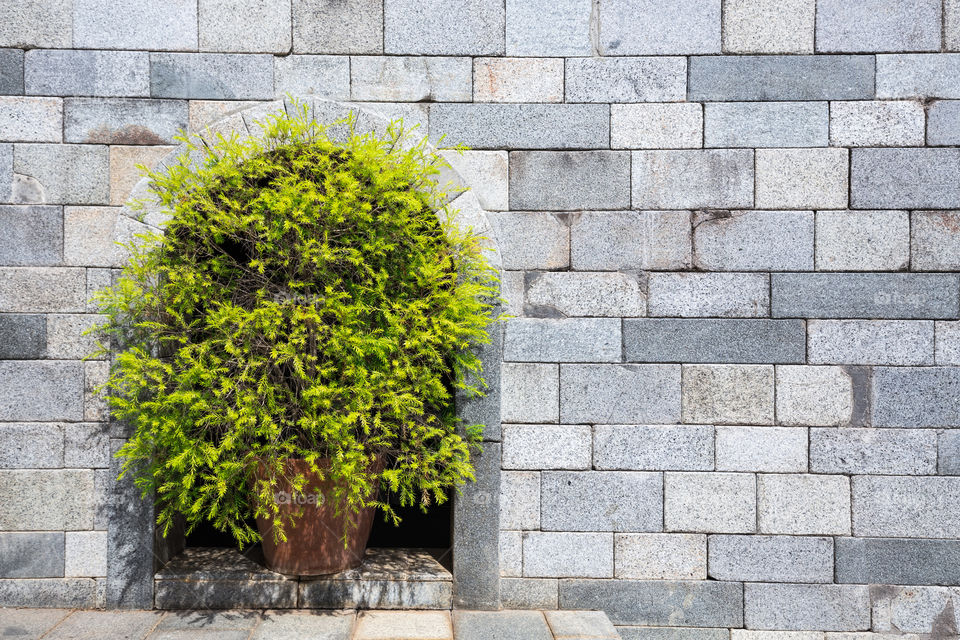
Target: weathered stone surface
727 394
768 26
81 593
36 23
87 73
22 337
41 391
441 27
480 625
905 506
713 340
601 501
864 295
806 606
211 76
655 79
224 26
31 119
693 179
656 126
528 593
568 293
11 72
798 504
935 240
562 340
905 178
661 556
40 289
672 633
68 174
695 603
519 500
158 25
124 174
413 79
781 78
488 175
226 594
751 634
722 295
943 123
546 446
924 397
531 392
653 448
889 342
33 235
802 178
527 126
321 76
876 124
645 27
863 240
630 240
123 121
549 27
761 449
710 502
771 558
918 75
319 27
569 180
568 555
620 394
95 375
814 396
86 445
518 80
31 555
878 25
898 561
45 499
532 240
913 610
86 554
766 124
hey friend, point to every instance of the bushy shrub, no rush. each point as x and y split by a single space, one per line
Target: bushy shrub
305 301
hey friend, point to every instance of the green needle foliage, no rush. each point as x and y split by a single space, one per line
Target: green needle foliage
305 301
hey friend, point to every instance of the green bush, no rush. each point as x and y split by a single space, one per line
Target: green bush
305 301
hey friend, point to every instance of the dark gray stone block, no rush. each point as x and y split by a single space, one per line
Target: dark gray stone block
522 126
674 603
31 555
771 558
898 561
58 72
444 27
712 340
11 72
123 121
672 633
32 235
865 295
905 178
211 76
601 501
569 180
22 336
476 545
73 593
916 397
721 78
483 625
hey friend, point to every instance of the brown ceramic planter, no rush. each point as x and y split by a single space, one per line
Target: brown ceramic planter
315 545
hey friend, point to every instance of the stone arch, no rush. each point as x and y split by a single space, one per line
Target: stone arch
132 553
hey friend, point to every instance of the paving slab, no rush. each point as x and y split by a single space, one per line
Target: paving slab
29 623
403 625
297 625
500 625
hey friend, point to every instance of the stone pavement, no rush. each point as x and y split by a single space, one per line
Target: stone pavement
63 624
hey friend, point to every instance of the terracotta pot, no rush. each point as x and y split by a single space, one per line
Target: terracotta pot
314 546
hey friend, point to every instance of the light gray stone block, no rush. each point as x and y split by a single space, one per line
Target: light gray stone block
549 28
86 445
319 27
546 446
947 342
573 293
690 603
919 397
511 550
526 126
876 124
211 76
653 448
752 634
918 75
518 79
654 79
710 502
898 561
562 340
531 392
814 396
630 240
413 79
801 504
864 295
321 76
66 339
884 342
714 340
45 499
569 180
528 593
68 174
874 451
761 449
878 25
488 175
601 501
22 336
441 27
511 288
708 294
656 126
581 624
863 240
943 123
781 78
766 124
30 120
728 394
31 555
951 25
36 23
620 394
11 72
33 235
567 555
85 554
81 593
41 391
519 500
771 558
645 27
532 240
123 121
693 179
672 633
802 178
807 606
768 26
905 178
89 236
42 289
935 240
660 556
157 25
323 625
225 26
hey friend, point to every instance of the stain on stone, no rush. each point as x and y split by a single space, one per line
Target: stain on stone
27 190
944 626
131 134
861 379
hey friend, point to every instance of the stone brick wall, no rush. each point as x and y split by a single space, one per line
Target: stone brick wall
728 227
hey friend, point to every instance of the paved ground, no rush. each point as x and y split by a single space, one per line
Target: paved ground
62 624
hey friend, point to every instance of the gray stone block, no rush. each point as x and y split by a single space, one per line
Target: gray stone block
771 558
821 396
480 625
38 23
519 501
86 445
800 504
864 295
905 506
772 124
877 124
156 25
531 392
583 625
821 607
898 561
708 294
563 294
532 240
884 342
80 593
442 27
951 25
920 397
646 27
66 339
781 78
947 338
30 120
123 121
68 174
321 76
31 555
226 594
549 28
321 625
863 240
943 123
914 610
32 623
654 79
546 446
6 172
22 337
511 548
33 236
526 126
768 26
87 73
714 340
42 289
935 240
918 75
656 126
413 79
727 394
569 180
85 554
567 555
710 502
476 550
601 501
905 178
31 445
653 448
660 556
802 178
130 571
319 27
90 236
46 499
11 72
40 391
672 633
620 394
224 26
529 593
630 240
693 603
761 449
878 25
693 179
562 340
211 76
487 173
948 452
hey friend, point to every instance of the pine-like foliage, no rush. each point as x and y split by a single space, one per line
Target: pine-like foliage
305 301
